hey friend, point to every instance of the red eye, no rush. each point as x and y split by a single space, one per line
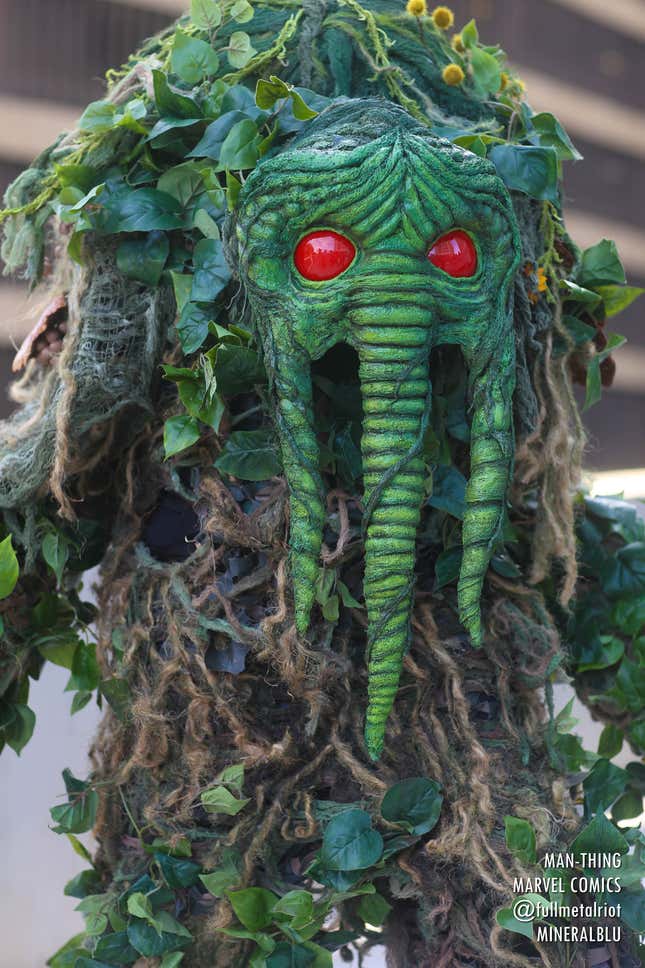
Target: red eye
323 255
455 253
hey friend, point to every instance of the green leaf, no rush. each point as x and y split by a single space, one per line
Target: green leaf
240 50
172 959
551 134
233 189
617 298
178 872
144 259
212 272
221 800
298 906
610 742
593 390
205 13
85 669
253 906
627 807
448 491
192 59
601 266
241 12
628 691
447 567
520 839
18 733
373 909
288 955
533 171
78 815
200 404
117 692
577 294
414 804
331 609
233 777
600 652
237 370
250 455
116 949
486 72
79 849
268 92
173 103
149 941
8 568
98 117
350 843
506 919
55 549
470 35
139 906
225 877
192 326
241 147
206 224
598 837
179 433
142 210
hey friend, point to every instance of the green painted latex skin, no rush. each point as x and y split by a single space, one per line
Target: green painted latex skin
384 182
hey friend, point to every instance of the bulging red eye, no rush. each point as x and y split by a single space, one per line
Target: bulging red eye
323 255
455 253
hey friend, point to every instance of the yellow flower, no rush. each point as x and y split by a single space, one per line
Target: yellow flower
505 80
543 282
453 75
417 8
443 17
458 44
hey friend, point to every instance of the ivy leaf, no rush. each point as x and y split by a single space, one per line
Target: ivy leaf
250 455
233 777
212 272
18 733
599 837
414 804
237 370
192 326
85 670
447 567
267 93
241 12
350 843
221 800
240 50
601 266
210 145
486 72
600 652
549 133
9 569
78 815
610 742
241 147
98 117
141 210
373 909
253 906
144 259
616 298
178 872
173 103
179 433
151 941
533 171
506 919
192 59
116 949
227 874
520 839
206 14
448 491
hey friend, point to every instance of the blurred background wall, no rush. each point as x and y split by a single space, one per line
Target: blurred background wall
581 59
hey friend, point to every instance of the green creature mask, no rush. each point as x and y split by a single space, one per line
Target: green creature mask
399 199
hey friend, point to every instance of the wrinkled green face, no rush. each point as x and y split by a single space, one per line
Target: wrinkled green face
391 191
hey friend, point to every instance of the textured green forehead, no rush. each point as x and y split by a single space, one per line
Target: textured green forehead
370 171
